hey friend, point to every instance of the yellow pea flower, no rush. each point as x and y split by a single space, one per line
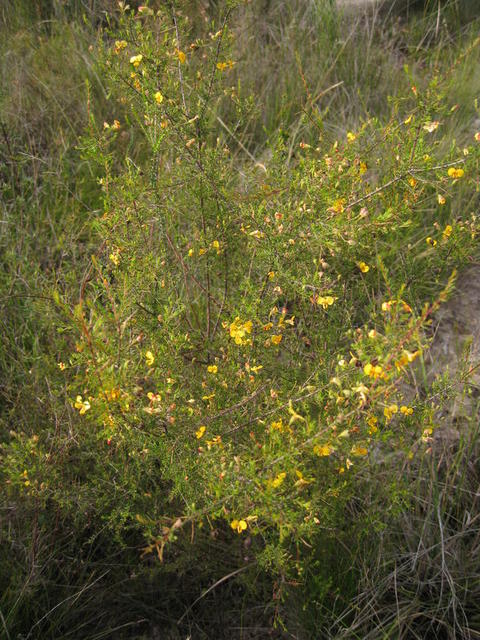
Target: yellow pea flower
119 45
389 411
278 480
200 432
158 97
325 301
455 173
221 66
276 339
149 358
373 371
212 368
447 232
358 450
82 405
239 525
322 450
239 330
338 206
364 268
277 425
136 60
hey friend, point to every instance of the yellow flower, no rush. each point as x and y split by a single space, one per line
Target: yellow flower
212 368
373 371
191 252
358 450
431 126
181 56
276 339
216 246
325 301
406 358
221 66
431 241
322 450
278 480
364 268
239 525
159 97
200 432
447 232
372 423
136 60
338 206
82 405
389 411
407 411
408 120
149 358
477 136
302 481
239 329
277 425
271 275
456 173
351 136
62 366
440 199
119 45
114 258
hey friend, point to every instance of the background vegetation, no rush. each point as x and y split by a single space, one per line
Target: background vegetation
227 229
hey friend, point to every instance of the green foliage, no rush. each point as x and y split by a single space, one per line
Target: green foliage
214 366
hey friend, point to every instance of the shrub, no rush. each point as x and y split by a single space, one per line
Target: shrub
237 353
242 339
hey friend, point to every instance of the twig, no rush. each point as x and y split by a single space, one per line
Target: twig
180 74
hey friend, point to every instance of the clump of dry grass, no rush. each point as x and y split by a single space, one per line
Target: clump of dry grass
420 576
